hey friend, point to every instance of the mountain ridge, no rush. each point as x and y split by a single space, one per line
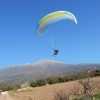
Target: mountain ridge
40 69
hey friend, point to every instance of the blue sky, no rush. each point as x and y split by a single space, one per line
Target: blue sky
21 44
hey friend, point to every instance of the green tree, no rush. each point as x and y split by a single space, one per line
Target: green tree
41 82
67 79
60 80
33 84
52 80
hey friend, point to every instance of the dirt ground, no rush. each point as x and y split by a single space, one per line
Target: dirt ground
47 92
6 96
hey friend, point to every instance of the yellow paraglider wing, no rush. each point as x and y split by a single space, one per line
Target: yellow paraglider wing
52 18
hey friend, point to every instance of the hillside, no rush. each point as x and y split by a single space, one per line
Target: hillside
47 92
40 69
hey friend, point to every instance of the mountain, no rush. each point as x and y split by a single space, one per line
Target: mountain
40 69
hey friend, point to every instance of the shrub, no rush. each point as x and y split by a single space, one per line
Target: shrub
60 80
33 84
97 95
41 82
51 80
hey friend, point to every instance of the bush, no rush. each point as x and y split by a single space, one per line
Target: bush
60 80
97 73
6 87
16 86
67 79
61 95
33 84
41 82
97 95
51 80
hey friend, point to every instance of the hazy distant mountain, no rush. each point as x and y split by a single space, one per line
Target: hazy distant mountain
40 69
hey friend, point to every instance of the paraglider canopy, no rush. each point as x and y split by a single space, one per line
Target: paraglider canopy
52 18
54 36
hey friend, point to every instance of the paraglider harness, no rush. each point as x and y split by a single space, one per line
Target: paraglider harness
55 52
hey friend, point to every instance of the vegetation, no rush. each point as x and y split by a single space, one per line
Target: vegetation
41 82
82 91
97 95
54 80
88 88
51 80
6 87
33 84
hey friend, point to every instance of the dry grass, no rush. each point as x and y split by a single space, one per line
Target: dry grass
48 92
